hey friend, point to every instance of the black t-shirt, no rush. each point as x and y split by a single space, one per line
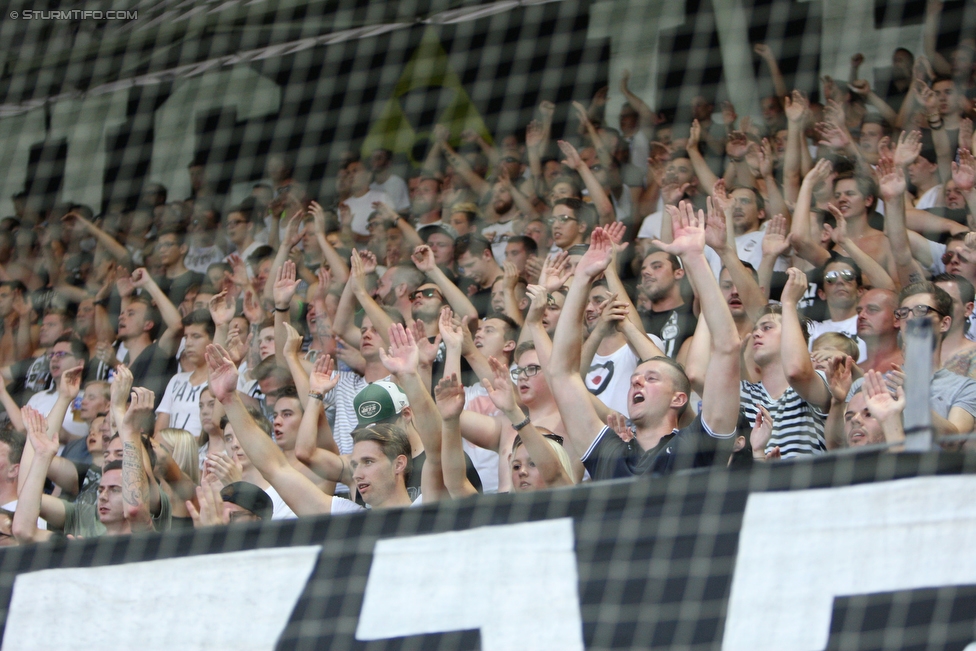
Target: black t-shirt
672 326
481 299
176 288
153 369
690 447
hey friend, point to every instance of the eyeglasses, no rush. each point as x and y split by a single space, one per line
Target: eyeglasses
560 219
552 437
235 222
528 371
58 354
832 277
919 311
425 293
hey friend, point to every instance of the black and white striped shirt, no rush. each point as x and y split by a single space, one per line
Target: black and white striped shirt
798 426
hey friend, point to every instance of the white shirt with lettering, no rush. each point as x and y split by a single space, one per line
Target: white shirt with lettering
182 402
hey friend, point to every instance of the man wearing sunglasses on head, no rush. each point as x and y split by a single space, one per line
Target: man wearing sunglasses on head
840 289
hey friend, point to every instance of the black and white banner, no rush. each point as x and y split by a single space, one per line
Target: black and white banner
848 553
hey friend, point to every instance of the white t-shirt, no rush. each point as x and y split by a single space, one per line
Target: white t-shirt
362 208
281 510
200 258
395 188
609 375
847 327
651 229
930 199
749 249
43 402
182 402
498 234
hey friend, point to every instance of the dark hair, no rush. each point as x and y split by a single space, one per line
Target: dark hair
574 204
839 259
530 245
511 328
78 347
865 185
201 317
391 439
247 209
473 243
15 441
175 231
111 465
672 258
259 255
678 376
523 348
152 313
967 293
941 298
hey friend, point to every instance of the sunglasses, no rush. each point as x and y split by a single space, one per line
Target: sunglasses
528 371
949 256
552 437
919 311
832 277
425 293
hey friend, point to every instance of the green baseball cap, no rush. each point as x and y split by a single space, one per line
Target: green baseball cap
379 402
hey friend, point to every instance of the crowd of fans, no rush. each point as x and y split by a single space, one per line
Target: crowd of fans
514 316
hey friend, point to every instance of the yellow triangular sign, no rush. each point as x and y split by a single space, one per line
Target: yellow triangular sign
427 68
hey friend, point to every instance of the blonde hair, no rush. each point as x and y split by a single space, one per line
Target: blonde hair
837 341
182 447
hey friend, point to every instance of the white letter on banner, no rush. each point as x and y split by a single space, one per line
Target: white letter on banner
798 550
239 600
518 584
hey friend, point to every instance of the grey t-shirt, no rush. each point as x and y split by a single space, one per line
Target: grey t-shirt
948 390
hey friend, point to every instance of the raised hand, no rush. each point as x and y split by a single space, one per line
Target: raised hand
878 398
211 512
403 357
292 236
689 232
70 383
833 136
142 400
450 332
500 388
736 145
123 281
237 348
221 309
318 216
285 285
293 340
253 311
964 172
860 86
796 287
776 241
44 443
426 349
223 373
555 271
908 149
449 396
762 429
618 423
837 233
891 181
534 134
538 299
597 258
223 469
762 50
323 377
694 136
728 114
121 386
614 313
840 377
716 234
239 270
510 275
573 160
547 109
423 258
765 153
140 278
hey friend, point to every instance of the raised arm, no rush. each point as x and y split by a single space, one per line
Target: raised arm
720 397
337 266
135 483
314 429
891 185
793 348
766 54
68 388
403 361
601 201
874 273
706 177
449 394
801 229
796 158
169 340
298 491
381 320
572 397
29 498
292 238
423 259
282 291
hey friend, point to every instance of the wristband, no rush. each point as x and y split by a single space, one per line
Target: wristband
315 396
518 427
279 309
